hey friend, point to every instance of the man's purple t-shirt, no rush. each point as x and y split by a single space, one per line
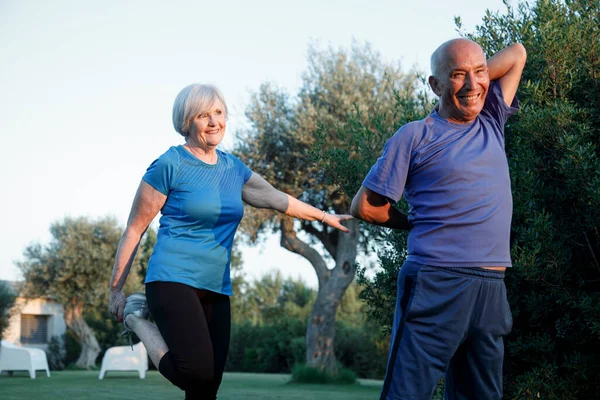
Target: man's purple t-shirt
455 179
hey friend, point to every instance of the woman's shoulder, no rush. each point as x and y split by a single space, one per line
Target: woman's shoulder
167 160
172 155
231 161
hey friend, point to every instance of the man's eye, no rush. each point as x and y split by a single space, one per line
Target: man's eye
218 112
204 115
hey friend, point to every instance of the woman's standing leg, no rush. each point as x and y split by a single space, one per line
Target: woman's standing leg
218 315
180 318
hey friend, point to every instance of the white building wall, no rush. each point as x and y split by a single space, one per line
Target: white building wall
56 319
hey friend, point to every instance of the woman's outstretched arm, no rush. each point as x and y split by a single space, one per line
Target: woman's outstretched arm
259 193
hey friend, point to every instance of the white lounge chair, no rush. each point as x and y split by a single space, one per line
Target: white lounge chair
17 358
122 358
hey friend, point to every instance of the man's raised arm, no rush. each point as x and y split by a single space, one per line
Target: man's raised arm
506 67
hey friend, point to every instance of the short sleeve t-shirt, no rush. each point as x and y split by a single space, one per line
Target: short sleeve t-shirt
199 218
456 181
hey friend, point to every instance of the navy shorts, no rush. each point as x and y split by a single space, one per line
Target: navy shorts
449 322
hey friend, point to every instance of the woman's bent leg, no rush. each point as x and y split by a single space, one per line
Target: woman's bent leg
150 336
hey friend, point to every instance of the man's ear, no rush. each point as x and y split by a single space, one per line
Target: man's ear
434 84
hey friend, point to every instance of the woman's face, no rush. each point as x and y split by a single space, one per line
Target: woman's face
208 127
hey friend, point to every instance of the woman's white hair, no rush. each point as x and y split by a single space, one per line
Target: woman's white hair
193 100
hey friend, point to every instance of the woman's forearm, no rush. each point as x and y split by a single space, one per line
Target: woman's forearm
301 210
124 259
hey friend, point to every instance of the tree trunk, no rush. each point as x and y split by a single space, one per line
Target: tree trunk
89 344
320 332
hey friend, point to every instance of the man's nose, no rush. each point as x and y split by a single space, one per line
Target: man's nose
470 80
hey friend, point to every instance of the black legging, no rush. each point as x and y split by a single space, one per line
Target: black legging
195 325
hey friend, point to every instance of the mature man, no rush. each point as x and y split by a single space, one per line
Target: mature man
451 311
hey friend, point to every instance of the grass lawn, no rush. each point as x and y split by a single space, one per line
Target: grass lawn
85 385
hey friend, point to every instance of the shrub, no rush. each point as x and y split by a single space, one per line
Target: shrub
363 350
7 301
301 373
72 348
57 353
277 346
266 348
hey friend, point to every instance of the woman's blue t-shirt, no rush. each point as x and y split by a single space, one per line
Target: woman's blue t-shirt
199 218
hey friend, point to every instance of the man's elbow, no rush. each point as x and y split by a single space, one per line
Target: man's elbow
521 53
355 209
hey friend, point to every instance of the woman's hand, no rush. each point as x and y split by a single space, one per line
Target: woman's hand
117 303
334 221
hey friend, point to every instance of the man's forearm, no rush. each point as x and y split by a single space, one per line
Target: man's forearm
503 61
397 220
374 208
388 217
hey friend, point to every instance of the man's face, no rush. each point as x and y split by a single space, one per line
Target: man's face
463 82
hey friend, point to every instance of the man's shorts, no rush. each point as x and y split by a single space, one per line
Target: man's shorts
448 322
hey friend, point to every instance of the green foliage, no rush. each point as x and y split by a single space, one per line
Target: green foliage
302 373
362 137
72 349
362 349
265 348
283 130
278 345
269 298
56 353
552 147
75 269
75 266
272 297
270 338
7 301
553 151
380 288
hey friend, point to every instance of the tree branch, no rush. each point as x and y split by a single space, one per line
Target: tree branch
323 236
290 241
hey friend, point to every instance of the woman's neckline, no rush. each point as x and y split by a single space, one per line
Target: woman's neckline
195 157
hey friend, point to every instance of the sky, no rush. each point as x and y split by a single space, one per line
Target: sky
87 87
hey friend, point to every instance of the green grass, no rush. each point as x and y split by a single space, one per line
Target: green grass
85 385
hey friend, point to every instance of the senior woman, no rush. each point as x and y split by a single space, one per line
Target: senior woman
199 191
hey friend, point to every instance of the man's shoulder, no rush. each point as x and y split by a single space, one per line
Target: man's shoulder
414 129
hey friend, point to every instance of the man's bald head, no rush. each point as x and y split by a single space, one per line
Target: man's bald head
460 79
445 53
